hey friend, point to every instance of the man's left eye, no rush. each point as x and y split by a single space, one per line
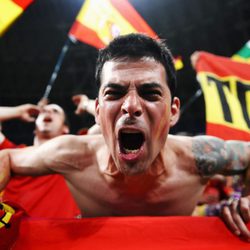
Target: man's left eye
151 95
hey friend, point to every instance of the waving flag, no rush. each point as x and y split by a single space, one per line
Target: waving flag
226 88
243 55
10 10
99 21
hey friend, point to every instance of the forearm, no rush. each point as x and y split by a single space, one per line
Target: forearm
239 157
8 113
25 161
90 108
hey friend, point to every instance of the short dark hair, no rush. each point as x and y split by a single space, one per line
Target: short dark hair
136 46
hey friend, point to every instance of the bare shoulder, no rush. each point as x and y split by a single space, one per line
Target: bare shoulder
181 149
70 152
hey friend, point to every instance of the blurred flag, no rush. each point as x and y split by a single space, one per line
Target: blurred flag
178 63
10 10
226 88
243 55
99 21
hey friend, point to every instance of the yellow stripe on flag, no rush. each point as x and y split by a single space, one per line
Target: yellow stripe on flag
214 105
238 58
9 12
101 16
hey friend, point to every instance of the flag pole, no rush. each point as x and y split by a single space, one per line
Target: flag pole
44 99
197 94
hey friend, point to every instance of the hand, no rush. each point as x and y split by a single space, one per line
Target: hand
236 214
82 102
43 102
28 112
194 58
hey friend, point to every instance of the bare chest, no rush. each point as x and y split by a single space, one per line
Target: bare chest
97 196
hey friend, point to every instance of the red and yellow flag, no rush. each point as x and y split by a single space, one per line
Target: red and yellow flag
10 10
226 88
99 21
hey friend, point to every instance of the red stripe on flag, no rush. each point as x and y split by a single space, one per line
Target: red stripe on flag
133 17
23 3
85 35
226 133
222 66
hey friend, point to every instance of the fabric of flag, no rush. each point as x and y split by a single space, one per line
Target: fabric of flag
10 10
133 233
226 88
100 21
10 217
243 55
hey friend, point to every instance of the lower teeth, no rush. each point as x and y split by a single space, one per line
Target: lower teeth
130 151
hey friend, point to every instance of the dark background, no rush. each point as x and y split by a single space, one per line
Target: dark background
30 48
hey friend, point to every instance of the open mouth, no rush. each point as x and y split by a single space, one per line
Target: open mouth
47 119
130 141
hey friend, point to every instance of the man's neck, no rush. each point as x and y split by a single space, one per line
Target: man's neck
39 141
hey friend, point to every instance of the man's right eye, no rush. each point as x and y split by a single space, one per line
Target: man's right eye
113 94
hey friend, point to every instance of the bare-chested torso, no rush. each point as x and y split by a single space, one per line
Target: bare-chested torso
98 191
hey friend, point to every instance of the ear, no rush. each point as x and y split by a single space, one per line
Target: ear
65 129
97 111
175 111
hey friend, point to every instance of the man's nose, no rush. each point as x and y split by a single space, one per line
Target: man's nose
132 104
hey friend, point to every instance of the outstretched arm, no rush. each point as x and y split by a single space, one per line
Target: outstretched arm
60 155
212 156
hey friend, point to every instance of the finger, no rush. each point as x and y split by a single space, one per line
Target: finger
228 219
43 102
76 99
34 111
78 111
244 209
29 119
238 220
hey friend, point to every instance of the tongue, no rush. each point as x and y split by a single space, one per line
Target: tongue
129 154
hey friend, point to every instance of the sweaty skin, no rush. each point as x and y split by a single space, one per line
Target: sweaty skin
162 175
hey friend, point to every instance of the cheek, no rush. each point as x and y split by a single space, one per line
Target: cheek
107 116
162 125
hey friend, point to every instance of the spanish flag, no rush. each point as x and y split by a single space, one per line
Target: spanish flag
226 88
100 21
10 10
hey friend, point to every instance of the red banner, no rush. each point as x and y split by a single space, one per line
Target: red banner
133 233
226 88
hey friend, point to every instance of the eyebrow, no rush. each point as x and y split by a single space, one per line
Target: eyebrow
151 85
115 86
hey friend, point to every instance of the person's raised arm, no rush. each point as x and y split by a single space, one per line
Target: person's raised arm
84 104
25 112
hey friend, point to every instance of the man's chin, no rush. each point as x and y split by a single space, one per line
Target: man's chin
132 169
